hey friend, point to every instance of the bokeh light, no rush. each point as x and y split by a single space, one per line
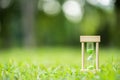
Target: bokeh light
51 7
104 4
73 10
5 3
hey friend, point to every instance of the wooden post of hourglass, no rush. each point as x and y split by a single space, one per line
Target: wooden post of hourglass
97 56
82 55
95 39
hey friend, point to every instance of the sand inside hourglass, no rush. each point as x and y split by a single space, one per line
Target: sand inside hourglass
90 51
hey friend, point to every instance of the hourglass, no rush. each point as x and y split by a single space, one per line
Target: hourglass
90 40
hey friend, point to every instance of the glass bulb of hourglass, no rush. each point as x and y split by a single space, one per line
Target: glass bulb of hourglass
90 51
90 48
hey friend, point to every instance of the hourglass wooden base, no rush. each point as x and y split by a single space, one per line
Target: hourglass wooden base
87 70
83 40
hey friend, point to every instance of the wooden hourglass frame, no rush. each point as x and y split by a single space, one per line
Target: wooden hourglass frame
94 39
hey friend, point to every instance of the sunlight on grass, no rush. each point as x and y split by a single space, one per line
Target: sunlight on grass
56 64
56 55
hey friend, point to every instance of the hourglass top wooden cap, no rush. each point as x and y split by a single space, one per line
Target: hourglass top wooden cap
89 38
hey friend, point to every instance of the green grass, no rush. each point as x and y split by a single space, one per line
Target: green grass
56 64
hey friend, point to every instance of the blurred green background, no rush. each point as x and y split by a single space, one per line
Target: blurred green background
34 32
36 23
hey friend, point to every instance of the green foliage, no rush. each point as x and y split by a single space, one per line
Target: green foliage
22 71
66 66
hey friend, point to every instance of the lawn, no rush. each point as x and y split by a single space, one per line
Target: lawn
56 63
